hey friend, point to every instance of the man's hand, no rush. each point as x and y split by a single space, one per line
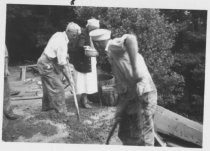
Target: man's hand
67 71
139 88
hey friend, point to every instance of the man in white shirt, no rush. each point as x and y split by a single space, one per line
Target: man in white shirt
136 89
52 64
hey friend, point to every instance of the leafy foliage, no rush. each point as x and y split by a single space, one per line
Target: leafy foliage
189 53
29 28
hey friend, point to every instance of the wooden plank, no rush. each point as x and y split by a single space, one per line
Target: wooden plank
172 144
24 70
23 73
159 140
172 141
26 98
170 123
32 65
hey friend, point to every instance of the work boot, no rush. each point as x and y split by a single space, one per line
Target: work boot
10 115
84 102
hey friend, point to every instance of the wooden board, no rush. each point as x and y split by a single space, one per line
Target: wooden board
172 124
24 70
26 98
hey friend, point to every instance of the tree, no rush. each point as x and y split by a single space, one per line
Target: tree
29 28
189 51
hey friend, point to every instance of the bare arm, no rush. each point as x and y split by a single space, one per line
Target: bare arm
131 45
66 70
132 48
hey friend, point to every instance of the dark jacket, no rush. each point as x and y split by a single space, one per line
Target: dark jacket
81 62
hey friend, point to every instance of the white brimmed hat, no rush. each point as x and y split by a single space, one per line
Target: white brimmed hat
93 23
100 34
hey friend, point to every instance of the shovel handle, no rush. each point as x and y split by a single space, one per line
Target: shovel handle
111 132
76 104
74 93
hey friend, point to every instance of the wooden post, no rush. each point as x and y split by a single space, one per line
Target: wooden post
23 73
24 70
172 124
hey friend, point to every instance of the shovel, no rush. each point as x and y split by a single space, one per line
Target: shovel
74 94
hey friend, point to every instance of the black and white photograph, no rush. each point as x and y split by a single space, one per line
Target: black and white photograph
104 75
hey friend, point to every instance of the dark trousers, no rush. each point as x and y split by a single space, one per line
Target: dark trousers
53 89
53 93
136 126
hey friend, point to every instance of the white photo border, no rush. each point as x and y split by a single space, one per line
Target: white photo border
160 4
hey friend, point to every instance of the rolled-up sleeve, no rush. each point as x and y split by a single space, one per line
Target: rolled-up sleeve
61 53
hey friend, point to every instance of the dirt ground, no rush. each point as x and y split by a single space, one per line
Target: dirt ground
37 126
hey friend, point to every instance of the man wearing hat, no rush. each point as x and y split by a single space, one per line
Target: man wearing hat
85 66
52 64
137 92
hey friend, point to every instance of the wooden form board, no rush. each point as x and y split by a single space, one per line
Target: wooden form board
170 123
24 70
